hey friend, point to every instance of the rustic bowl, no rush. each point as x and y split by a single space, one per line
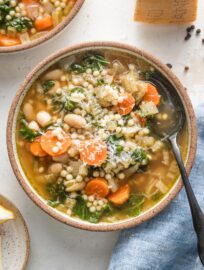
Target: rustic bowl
33 75
49 35
15 239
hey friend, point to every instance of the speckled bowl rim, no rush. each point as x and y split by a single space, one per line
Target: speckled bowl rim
56 30
79 223
11 205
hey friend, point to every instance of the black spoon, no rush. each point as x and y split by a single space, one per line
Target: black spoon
169 129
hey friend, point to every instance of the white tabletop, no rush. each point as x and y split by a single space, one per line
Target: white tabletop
55 246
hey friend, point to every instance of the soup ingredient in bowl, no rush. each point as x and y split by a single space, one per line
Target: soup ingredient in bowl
22 21
85 138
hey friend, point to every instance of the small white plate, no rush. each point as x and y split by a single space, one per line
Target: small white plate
15 246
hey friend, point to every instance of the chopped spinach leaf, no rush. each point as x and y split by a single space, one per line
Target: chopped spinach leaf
27 133
101 82
81 210
57 192
119 149
93 61
63 102
134 205
157 196
77 90
20 24
126 118
115 141
53 203
77 68
47 85
139 155
5 8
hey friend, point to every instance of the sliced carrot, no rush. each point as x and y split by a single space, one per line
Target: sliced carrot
36 149
28 2
141 120
120 196
55 143
98 187
44 23
9 41
126 105
93 152
152 94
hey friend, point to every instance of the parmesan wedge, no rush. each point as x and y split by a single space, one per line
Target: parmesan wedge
166 12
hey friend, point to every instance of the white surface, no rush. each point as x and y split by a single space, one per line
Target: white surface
55 246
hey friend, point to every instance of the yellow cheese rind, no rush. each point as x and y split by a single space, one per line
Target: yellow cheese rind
166 11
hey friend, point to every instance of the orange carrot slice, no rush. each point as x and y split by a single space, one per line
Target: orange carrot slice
126 105
120 196
98 187
36 149
55 142
93 152
28 2
9 41
152 94
43 23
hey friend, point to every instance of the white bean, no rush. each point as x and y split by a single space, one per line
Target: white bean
28 111
43 118
55 168
54 74
75 121
34 125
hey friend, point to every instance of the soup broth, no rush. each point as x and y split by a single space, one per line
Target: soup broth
85 140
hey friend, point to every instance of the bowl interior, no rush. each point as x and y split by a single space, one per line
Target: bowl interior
42 67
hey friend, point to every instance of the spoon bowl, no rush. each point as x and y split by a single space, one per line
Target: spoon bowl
169 130
171 105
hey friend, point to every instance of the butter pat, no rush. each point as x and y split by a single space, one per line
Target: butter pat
166 11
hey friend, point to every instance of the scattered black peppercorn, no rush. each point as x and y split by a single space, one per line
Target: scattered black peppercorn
186 68
190 28
188 36
169 65
198 31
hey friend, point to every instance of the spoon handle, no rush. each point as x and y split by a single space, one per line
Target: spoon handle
197 215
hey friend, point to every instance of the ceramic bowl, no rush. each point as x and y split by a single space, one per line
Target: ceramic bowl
37 71
15 246
49 35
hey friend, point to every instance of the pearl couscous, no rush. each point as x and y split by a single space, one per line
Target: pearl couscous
85 138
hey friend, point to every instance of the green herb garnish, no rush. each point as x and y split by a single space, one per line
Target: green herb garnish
57 192
47 85
91 61
5 8
139 155
20 24
27 133
134 205
81 210
77 90
63 102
